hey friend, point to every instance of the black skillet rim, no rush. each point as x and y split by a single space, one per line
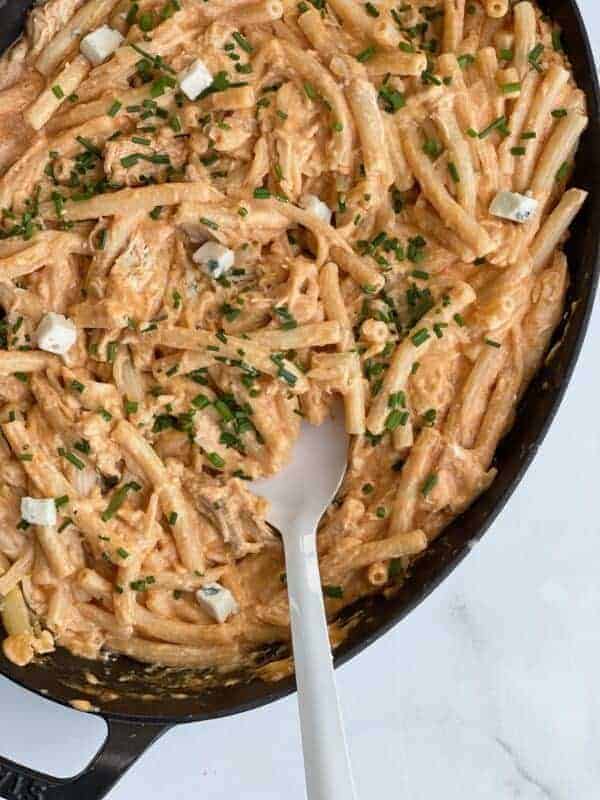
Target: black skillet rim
539 408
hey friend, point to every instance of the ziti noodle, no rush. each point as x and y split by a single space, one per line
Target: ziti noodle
218 216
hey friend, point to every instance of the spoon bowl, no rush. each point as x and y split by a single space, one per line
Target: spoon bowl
309 482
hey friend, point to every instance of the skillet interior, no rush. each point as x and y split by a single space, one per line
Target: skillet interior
148 695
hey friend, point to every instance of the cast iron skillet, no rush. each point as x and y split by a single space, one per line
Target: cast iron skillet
149 702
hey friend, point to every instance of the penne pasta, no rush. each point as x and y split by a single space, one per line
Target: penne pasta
239 213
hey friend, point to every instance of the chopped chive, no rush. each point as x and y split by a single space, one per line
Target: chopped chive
429 483
71 457
392 100
146 21
465 60
562 172
432 148
535 55
498 124
111 351
310 90
557 41
366 54
336 592
117 500
430 416
115 108
420 337
77 386
223 410
89 146
397 399
420 274
394 419
58 92
216 460
130 160
452 169
242 42
132 14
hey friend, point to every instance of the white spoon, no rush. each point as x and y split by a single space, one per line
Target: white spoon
299 495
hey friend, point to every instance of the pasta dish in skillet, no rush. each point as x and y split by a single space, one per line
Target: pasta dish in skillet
215 218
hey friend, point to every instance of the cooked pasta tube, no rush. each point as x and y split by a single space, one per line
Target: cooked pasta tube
415 478
454 18
555 227
496 8
401 545
525 30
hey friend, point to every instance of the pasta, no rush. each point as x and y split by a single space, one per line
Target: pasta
215 219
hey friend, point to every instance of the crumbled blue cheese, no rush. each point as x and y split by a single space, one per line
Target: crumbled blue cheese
214 258
513 206
217 601
194 80
56 334
100 44
316 206
38 511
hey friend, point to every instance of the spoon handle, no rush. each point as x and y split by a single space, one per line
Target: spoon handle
326 761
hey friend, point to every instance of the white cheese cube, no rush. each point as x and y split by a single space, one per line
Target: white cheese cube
217 601
38 512
513 206
194 80
56 334
214 258
100 44
316 206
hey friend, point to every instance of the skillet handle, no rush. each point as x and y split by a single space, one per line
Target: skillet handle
124 744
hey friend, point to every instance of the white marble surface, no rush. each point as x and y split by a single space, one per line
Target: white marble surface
489 691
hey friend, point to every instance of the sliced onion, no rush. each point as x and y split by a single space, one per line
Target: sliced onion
128 379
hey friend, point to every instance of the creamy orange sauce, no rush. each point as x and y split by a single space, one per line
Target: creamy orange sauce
346 155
